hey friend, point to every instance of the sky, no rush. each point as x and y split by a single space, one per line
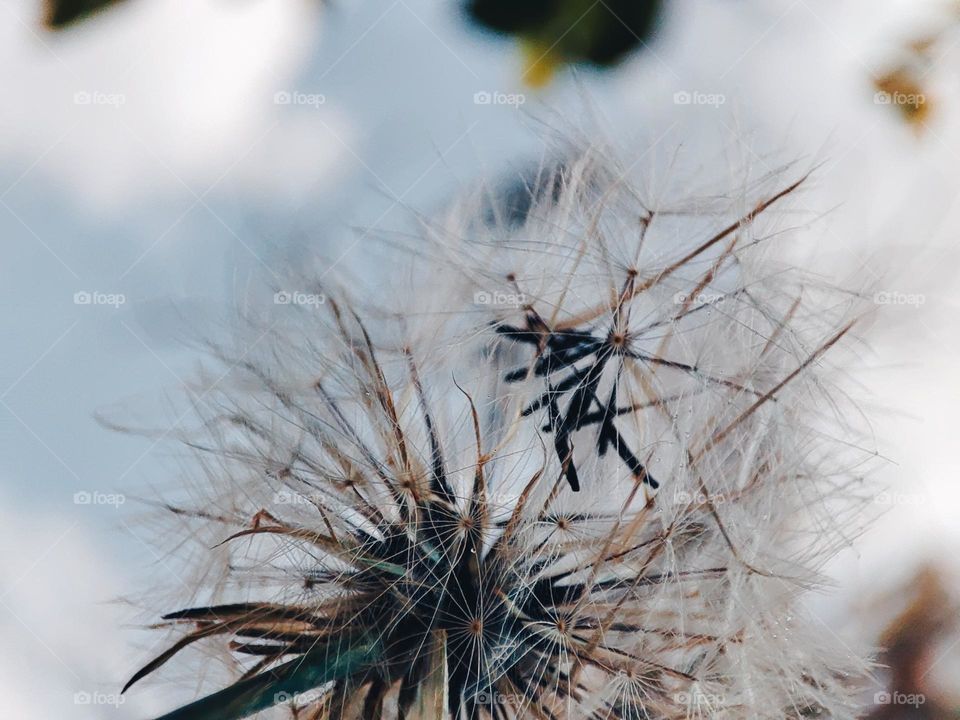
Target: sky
161 159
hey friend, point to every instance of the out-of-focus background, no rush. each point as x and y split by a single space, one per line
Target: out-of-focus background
159 157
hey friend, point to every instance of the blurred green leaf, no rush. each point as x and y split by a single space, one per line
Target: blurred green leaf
61 13
571 31
283 683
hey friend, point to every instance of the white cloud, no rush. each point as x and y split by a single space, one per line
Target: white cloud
150 94
62 631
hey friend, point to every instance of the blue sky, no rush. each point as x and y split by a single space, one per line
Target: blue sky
146 156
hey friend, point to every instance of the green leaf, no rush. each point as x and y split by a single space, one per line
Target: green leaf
572 31
61 13
305 673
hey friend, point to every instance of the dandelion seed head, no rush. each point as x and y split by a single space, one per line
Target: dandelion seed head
586 471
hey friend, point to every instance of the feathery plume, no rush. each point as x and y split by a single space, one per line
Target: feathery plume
591 476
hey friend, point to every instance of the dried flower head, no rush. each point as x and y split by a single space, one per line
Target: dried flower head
589 475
